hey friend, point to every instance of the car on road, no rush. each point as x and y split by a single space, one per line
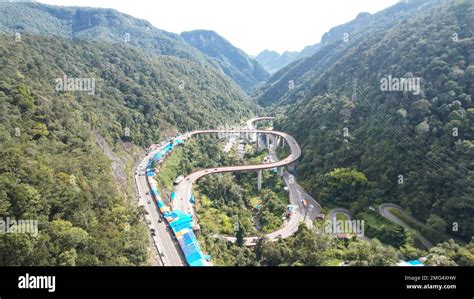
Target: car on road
160 220
147 193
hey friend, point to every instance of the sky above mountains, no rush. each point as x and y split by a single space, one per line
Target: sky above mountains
252 25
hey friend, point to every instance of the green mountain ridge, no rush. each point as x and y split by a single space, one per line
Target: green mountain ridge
108 25
94 24
245 71
415 150
334 44
53 143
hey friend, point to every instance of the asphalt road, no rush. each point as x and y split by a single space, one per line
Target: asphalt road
169 250
296 193
384 211
170 253
163 238
291 225
184 188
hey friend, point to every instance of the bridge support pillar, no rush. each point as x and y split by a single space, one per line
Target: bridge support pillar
256 142
259 180
276 141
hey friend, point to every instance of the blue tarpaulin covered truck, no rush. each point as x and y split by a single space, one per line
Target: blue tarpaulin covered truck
180 223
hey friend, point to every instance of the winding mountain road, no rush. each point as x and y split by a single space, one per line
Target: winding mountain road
167 247
183 190
384 210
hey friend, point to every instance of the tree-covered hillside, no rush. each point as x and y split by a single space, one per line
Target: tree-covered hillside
415 149
203 48
52 168
290 83
95 24
235 63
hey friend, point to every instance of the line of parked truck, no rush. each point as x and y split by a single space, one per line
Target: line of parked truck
180 223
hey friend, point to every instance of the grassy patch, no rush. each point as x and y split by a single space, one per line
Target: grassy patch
375 220
169 169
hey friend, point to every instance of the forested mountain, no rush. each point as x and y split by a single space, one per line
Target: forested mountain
108 25
364 144
336 43
87 23
52 167
245 71
57 140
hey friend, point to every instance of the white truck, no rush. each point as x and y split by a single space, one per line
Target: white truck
178 180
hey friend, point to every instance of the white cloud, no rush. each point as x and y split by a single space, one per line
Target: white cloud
252 25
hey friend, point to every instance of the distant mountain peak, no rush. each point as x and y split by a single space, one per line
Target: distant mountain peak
234 62
273 61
